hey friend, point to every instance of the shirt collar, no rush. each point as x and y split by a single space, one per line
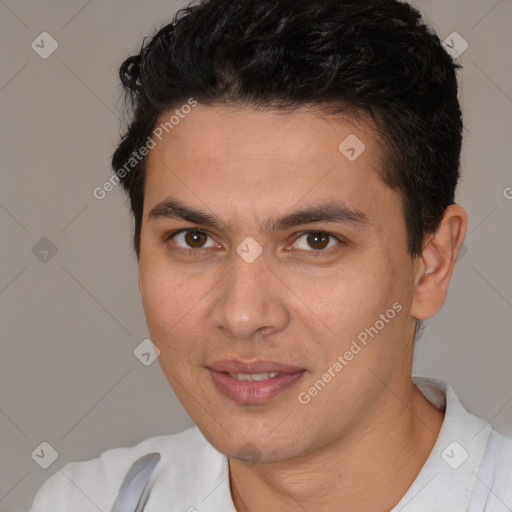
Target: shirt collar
448 476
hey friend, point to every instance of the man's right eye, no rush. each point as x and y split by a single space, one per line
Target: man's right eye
190 239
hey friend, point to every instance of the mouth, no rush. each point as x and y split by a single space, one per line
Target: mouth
253 383
254 376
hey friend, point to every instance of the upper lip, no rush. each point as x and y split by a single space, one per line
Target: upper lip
238 366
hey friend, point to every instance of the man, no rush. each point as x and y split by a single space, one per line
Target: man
291 168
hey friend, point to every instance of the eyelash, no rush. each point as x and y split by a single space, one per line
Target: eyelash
199 252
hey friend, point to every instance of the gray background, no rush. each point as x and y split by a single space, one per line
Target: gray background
69 325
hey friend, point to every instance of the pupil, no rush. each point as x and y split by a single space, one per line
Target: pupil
318 238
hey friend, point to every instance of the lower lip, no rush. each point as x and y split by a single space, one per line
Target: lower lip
253 392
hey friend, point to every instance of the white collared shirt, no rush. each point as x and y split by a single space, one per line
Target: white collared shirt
468 470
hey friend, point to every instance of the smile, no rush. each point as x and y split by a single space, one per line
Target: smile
254 388
254 376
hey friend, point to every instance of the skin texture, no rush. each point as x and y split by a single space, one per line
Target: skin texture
360 442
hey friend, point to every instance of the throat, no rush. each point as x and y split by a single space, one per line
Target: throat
370 473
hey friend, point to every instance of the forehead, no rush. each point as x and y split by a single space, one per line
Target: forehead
224 133
241 160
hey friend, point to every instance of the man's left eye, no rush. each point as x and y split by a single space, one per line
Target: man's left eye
316 240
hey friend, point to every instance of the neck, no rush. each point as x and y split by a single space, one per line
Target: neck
368 469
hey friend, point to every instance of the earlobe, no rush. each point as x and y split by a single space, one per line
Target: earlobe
437 263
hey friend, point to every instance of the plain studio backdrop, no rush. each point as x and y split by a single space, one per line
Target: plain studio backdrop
71 313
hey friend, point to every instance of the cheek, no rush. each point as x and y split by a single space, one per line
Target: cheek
156 298
163 297
363 312
174 306
346 298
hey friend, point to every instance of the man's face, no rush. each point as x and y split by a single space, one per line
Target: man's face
213 302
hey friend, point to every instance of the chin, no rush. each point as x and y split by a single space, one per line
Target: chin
253 448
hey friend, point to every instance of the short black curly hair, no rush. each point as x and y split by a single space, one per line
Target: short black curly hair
373 57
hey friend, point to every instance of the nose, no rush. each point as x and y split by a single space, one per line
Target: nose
250 301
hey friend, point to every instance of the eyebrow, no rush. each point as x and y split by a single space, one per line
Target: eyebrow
330 212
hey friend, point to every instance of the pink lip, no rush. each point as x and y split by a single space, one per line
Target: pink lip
253 392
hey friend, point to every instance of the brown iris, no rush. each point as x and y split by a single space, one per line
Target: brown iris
195 238
318 240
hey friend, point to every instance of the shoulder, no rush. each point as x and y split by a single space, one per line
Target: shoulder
498 456
94 484
493 486
499 452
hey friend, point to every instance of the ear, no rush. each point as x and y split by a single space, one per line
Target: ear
437 262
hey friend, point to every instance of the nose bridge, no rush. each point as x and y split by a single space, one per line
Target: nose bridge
249 300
